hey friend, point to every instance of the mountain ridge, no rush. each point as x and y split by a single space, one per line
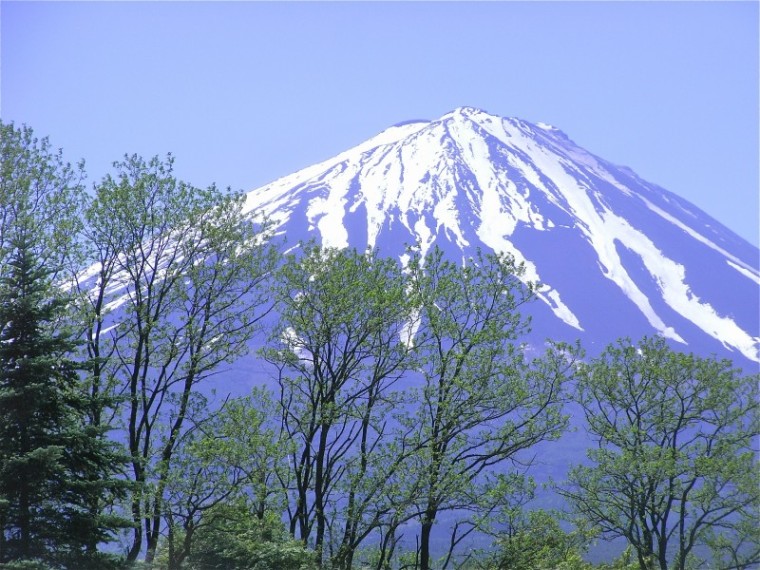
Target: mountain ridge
470 179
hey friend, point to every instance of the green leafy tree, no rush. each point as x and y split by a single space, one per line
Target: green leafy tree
674 468
233 538
538 542
175 290
40 192
230 454
340 348
481 402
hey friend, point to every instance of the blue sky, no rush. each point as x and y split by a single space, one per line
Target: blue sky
245 92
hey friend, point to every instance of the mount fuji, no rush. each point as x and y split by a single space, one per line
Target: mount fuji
616 256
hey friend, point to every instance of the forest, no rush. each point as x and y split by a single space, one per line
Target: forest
397 425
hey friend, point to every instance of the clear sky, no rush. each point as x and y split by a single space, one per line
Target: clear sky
245 92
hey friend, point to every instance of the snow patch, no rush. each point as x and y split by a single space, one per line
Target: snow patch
603 228
501 208
438 178
744 271
737 264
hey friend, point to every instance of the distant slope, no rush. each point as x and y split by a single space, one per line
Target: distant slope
617 256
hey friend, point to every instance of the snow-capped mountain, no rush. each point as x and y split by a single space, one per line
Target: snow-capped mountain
616 255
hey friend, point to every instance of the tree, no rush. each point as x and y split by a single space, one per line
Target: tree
675 466
51 463
232 454
480 402
54 465
235 539
539 542
175 290
41 193
340 347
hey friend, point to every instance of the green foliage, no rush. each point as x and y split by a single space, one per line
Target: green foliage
675 468
234 538
187 268
41 196
481 402
626 561
340 350
540 543
229 454
25 565
52 465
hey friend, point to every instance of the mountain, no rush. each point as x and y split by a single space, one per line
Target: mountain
616 255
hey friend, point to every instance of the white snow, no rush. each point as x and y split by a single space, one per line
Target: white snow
408 175
501 208
744 271
277 200
602 229
424 236
737 264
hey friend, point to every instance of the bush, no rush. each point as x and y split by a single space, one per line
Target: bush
234 538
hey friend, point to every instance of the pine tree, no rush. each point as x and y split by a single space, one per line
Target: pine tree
53 467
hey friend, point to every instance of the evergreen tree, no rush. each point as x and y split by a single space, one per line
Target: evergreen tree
52 466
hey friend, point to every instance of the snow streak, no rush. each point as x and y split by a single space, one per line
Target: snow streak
473 179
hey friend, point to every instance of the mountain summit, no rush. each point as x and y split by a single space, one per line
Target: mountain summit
616 255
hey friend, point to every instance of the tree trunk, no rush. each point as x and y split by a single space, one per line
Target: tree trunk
320 484
427 527
134 550
137 537
151 540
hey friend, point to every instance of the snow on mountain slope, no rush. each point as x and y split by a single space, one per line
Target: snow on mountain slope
616 255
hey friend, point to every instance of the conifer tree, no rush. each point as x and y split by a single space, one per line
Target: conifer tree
51 463
58 475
